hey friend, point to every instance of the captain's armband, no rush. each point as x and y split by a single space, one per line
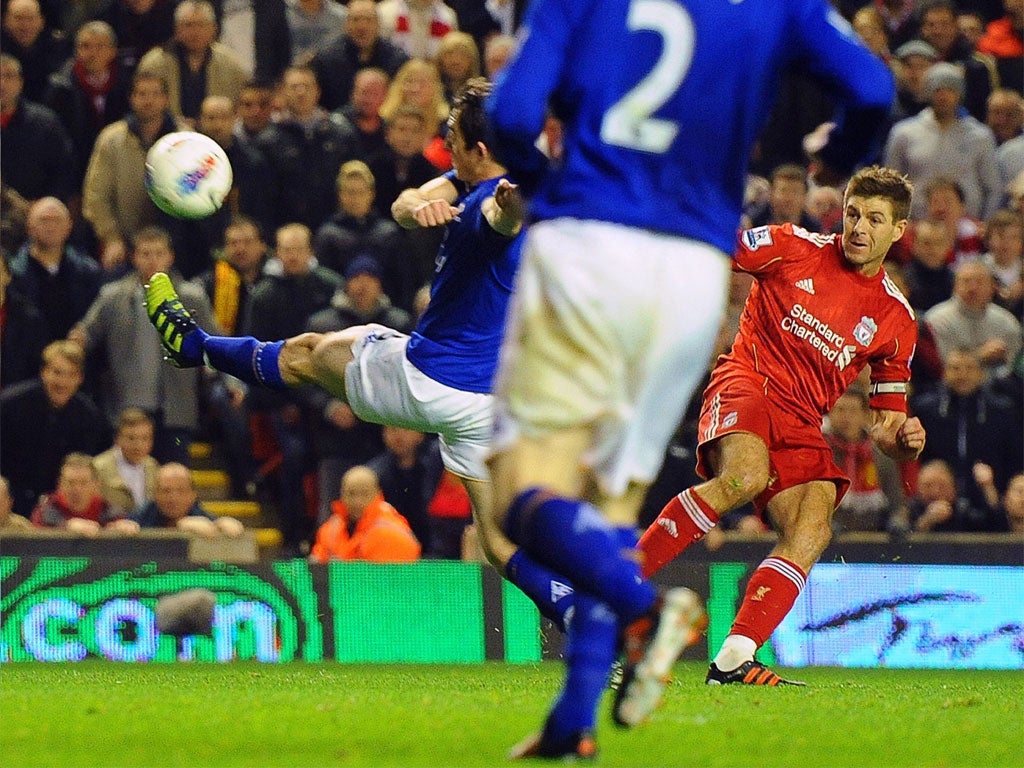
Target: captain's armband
887 388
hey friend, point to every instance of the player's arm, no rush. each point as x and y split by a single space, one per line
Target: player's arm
505 209
429 205
897 436
518 106
758 249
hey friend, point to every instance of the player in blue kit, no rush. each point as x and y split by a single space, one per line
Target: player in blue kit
622 285
436 380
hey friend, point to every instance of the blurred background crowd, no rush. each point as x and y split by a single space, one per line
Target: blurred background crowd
327 111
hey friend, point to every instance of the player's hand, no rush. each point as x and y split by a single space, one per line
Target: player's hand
507 196
911 435
434 213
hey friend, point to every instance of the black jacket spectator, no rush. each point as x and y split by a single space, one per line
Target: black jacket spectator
342 238
36 437
272 41
68 98
138 32
965 429
410 490
23 335
38 61
369 143
391 180
337 62
253 177
62 297
37 158
343 314
304 161
280 306
927 286
966 518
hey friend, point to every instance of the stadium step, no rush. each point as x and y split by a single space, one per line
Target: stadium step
212 484
200 453
233 508
213 487
268 538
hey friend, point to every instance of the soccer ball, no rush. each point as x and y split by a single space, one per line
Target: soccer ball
187 175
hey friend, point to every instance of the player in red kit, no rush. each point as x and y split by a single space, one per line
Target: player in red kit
821 308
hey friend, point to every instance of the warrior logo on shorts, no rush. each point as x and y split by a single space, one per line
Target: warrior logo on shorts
865 331
729 420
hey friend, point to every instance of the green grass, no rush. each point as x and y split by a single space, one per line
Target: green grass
247 714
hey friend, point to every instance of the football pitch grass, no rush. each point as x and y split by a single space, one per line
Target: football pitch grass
199 715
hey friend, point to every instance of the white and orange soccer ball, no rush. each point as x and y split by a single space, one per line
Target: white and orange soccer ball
187 175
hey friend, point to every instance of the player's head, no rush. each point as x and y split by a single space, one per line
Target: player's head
875 210
467 131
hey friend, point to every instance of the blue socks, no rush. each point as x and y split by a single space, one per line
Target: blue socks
572 538
251 360
551 593
588 656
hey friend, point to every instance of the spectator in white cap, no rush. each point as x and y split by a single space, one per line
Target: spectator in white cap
943 140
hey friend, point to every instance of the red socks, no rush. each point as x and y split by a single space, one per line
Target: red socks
684 520
771 592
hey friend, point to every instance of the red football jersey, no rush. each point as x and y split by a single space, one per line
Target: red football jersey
812 322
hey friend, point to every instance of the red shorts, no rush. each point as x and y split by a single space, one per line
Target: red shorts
738 401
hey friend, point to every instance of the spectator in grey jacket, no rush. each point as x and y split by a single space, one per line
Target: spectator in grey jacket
970 318
942 140
135 374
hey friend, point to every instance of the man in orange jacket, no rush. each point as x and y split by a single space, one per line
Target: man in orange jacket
363 526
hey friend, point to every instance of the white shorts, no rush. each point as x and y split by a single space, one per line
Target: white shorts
610 327
383 387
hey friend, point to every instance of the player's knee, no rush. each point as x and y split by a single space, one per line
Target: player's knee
332 353
744 484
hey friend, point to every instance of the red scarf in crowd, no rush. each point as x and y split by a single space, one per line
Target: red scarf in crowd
97 93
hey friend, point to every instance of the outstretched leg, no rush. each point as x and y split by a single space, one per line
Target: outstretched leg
309 358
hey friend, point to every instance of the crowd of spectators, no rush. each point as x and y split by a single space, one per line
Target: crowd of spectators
327 110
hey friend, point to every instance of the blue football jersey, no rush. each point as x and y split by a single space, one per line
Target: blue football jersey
456 341
662 101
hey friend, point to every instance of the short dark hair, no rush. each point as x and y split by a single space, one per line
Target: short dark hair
139 76
879 181
153 234
132 417
468 111
944 182
790 172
